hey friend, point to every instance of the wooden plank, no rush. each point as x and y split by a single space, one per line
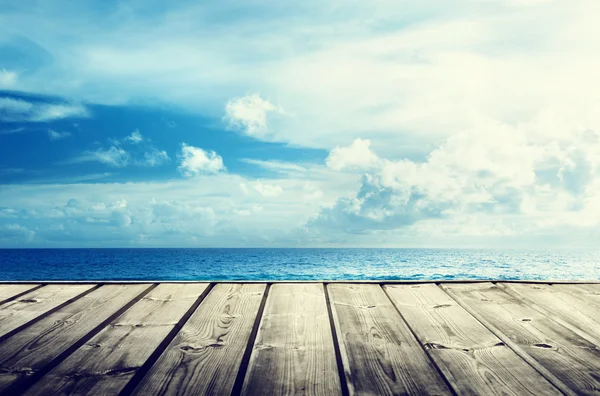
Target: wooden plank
9 291
205 356
29 351
108 361
575 312
473 359
20 311
588 293
593 288
562 356
294 351
379 353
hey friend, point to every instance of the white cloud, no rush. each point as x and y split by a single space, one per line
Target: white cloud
484 123
264 189
208 210
50 112
135 137
13 107
57 135
248 115
196 161
137 155
7 79
277 166
18 110
357 156
511 184
114 156
383 75
15 233
155 157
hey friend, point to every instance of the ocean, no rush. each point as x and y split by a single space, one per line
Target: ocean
296 264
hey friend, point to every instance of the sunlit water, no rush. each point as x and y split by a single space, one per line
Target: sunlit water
295 264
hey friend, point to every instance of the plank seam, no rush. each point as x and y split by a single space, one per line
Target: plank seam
510 290
243 368
9 299
555 381
22 386
47 313
439 370
160 349
336 344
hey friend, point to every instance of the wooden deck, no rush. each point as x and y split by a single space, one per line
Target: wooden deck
302 338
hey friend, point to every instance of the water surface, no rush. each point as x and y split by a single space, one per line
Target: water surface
295 264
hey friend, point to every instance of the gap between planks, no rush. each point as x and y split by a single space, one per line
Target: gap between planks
554 380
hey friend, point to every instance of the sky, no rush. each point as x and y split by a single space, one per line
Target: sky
261 123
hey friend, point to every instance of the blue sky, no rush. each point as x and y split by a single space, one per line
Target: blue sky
470 123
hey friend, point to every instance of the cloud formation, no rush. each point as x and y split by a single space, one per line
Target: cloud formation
155 157
249 114
460 119
135 137
7 79
113 156
358 156
196 161
57 135
18 110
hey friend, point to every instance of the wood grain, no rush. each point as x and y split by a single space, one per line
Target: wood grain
205 356
564 354
588 293
9 291
34 347
473 359
575 312
108 361
380 354
22 310
294 351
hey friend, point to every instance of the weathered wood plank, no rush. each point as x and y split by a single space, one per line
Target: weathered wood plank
380 354
108 361
30 350
588 293
473 359
9 291
575 312
574 361
205 356
294 351
22 310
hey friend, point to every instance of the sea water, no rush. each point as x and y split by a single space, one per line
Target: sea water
296 264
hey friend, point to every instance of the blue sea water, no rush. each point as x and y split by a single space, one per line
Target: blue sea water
295 264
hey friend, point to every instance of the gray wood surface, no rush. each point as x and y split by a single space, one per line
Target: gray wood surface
31 349
108 361
205 356
294 352
9 291
473 359
573 311
20 311
570 358
511 338
380 354
590 294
